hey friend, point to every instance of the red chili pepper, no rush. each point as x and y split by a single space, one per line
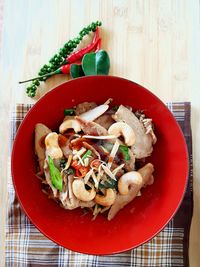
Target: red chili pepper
96 35
77 55
98 47
65 69
74 57
75 164
81 172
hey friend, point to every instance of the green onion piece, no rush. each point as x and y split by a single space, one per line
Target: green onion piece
124 150
87 154
69 112
56 177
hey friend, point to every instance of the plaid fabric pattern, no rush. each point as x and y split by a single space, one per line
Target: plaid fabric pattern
26 246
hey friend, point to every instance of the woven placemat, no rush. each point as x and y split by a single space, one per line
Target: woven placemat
26 246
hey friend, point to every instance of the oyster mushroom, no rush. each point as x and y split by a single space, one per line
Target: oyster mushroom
41 131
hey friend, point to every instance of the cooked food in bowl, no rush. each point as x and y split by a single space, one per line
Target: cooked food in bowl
97 159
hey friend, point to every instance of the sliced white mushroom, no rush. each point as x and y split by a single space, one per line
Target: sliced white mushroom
94 113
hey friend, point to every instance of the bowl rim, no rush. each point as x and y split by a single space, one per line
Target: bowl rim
35 107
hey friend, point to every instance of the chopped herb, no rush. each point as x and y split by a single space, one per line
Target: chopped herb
55 175
124 150
69 112
87 154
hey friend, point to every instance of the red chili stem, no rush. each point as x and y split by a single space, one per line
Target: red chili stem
42 76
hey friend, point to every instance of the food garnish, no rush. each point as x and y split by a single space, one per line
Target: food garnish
55 175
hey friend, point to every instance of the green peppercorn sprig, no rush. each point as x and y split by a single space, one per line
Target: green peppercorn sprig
59 59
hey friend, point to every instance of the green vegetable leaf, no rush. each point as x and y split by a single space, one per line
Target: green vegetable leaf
96 63
124 150
56 177
76 71
69 112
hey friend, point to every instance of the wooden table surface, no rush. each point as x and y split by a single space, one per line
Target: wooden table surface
155 43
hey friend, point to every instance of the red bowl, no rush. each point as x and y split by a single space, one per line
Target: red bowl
139 221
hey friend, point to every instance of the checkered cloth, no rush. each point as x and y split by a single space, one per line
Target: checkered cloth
26 246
